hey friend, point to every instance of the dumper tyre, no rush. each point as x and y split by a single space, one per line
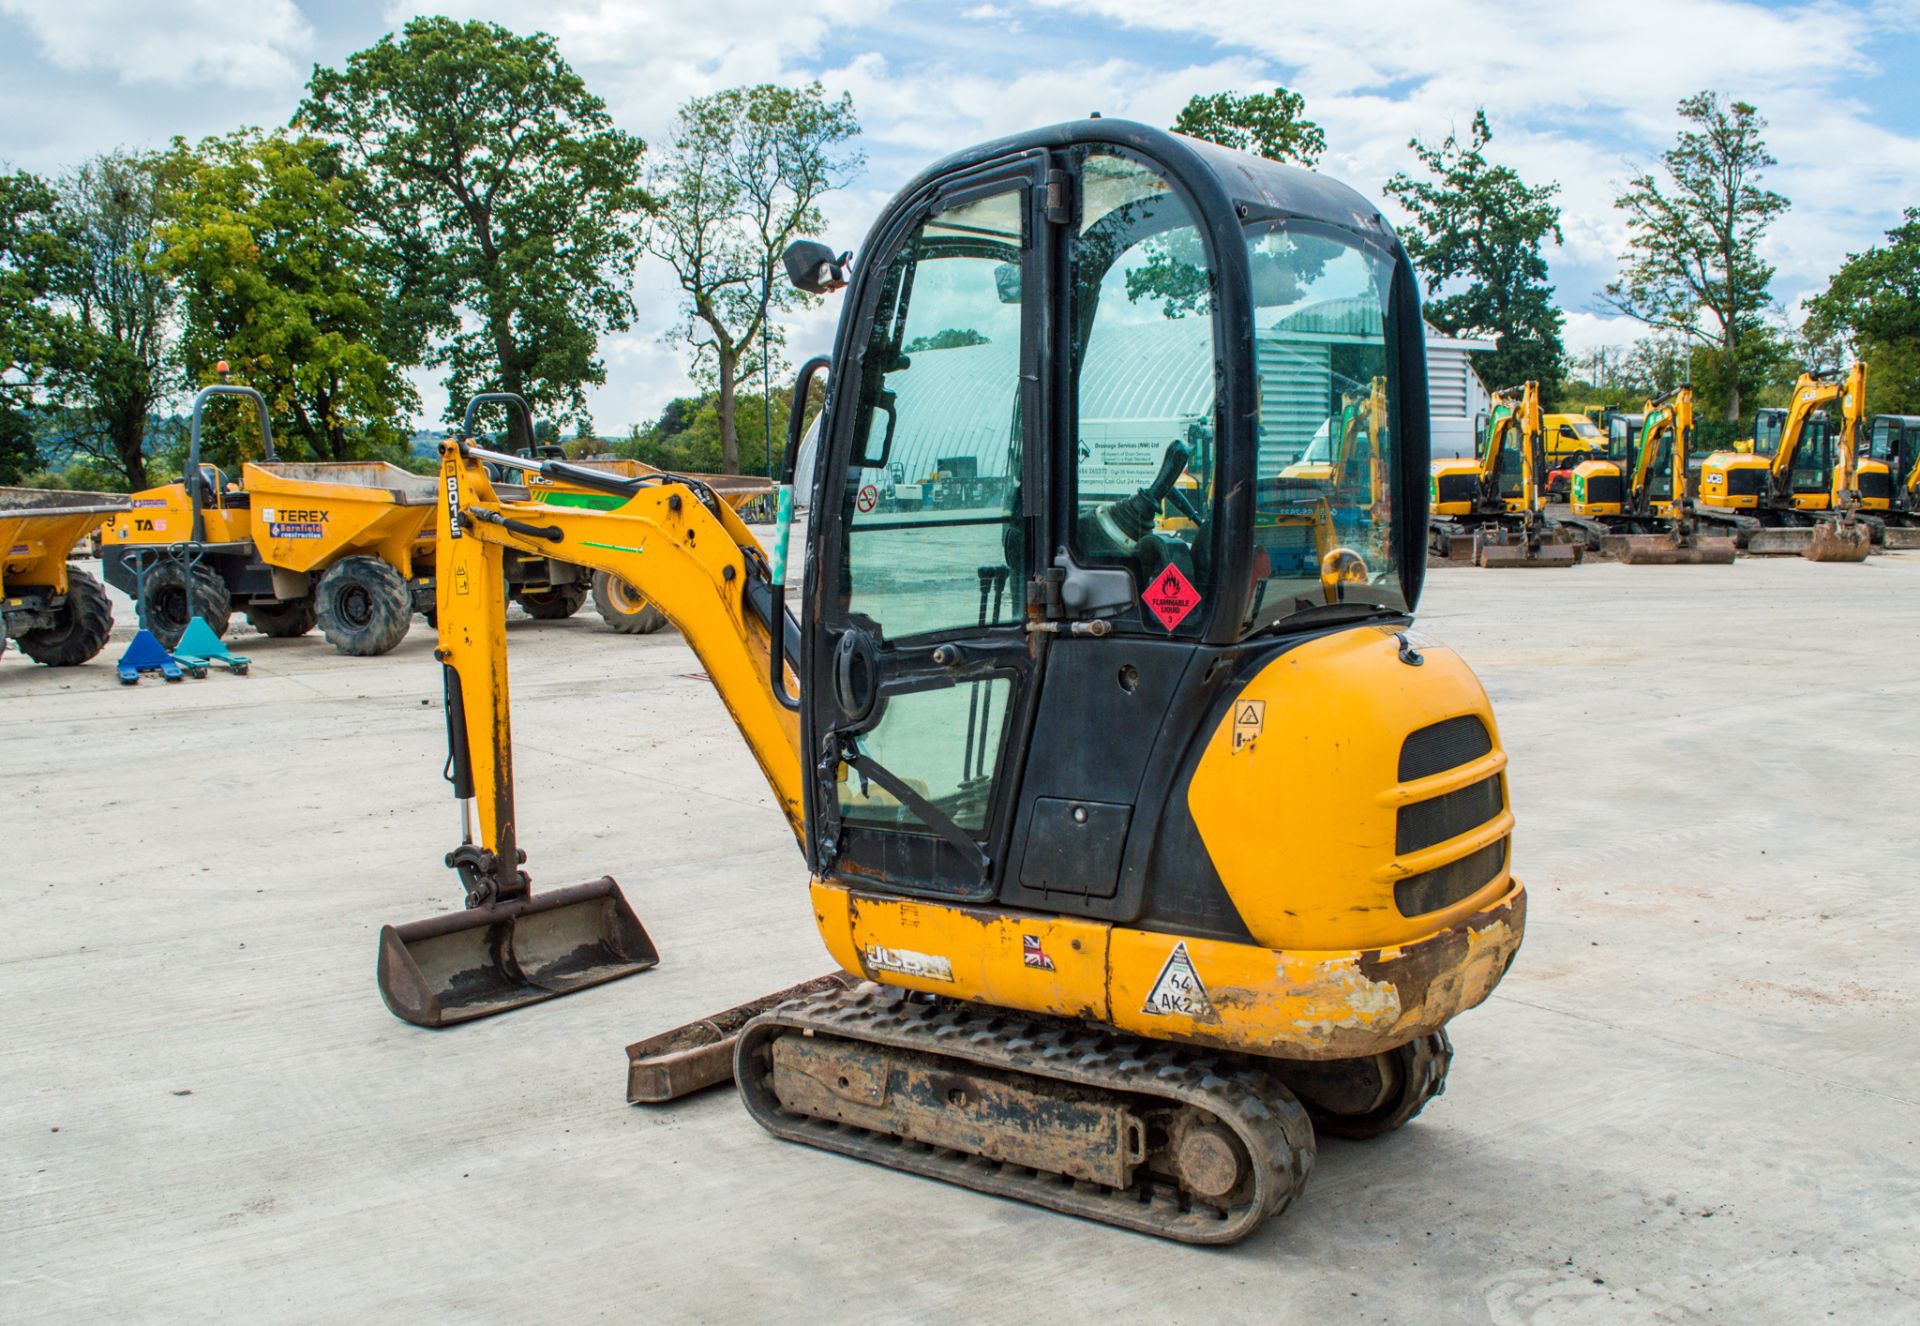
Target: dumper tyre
552 604
624 608
81 628
165 590
282 619
363 605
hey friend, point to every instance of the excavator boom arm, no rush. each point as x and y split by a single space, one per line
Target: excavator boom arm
693 560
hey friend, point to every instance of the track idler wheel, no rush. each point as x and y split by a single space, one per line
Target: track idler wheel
1362 1098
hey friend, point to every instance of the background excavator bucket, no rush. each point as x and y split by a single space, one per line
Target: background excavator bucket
1902 538
1833 542
486 960
1665 550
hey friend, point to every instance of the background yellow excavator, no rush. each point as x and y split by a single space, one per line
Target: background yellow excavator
1887 475
1637 507
1493 505
1802 498
1148 844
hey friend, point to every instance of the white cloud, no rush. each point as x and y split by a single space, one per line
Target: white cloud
175 42
1585 332
1577 96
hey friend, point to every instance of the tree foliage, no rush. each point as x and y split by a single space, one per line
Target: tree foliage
112 358
278 279
1871 307
1693 265
32 255
1268 124
510 204
1481 231
947 338
744 178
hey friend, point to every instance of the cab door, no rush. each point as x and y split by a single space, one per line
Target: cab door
918 681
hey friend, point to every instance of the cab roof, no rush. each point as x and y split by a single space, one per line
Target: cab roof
1257 189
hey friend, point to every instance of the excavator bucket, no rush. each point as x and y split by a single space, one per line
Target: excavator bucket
1665 550
1832 542
1902 538
472 964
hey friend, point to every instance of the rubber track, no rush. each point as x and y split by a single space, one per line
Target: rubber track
1268 1119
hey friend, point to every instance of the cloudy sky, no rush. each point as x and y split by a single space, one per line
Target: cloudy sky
1578 93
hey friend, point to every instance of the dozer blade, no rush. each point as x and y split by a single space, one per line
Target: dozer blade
1902 539
486 960
1789 541
1664 550
1838 543
1506 555
698 1055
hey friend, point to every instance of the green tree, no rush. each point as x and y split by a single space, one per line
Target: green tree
743 179
1871 307
33 253
1693 265
1483 230
112 358
278 280
512 206
1268 124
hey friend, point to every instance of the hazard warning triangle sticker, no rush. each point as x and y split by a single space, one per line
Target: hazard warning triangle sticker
1178 989
1171 597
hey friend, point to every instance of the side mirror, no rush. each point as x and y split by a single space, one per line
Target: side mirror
812 267
1006 282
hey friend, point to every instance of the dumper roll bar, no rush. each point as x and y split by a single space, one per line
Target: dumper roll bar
195 478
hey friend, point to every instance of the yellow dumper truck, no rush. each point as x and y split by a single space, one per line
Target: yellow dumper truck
57 613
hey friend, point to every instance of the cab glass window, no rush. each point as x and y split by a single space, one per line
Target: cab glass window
1143 363
931 496
1323 529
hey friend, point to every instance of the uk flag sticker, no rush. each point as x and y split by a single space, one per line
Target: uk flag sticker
1033 955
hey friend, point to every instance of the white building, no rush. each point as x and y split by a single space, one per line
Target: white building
1455 394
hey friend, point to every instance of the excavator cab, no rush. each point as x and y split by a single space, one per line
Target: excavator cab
1142 418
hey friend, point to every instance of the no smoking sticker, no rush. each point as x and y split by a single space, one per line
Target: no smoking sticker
1171 597
869 498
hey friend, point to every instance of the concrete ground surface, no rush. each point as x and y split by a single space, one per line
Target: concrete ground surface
1694 1099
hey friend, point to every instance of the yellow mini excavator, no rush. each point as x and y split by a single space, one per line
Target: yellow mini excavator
1147 832
1803 498
1637 507
1888 477
1493 506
